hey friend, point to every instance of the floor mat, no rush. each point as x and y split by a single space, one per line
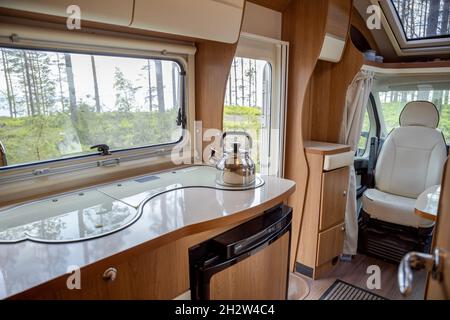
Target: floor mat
341 290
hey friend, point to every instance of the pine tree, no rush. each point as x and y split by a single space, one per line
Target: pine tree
94 76
125 92
71 87
159 85
9 87
151 89
61 80
433 18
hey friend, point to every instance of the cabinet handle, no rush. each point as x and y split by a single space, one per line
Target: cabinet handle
344 194
343 228
110 274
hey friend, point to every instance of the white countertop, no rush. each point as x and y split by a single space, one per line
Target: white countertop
26 264
427 204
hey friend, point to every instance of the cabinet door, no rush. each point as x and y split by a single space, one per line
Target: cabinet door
330 244
334 197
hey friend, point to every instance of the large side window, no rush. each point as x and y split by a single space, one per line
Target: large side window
248 102
56 105
255 99
392 103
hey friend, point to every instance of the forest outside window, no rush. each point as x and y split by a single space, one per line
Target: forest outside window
247 106
393 102
423 19
58 105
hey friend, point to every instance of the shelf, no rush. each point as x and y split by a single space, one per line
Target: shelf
408 65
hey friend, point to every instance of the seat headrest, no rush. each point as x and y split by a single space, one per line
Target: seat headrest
420 113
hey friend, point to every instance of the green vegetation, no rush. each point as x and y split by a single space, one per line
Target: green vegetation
29 139
391 113
248 119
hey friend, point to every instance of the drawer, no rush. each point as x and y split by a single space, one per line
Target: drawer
334 197
336 161
330 244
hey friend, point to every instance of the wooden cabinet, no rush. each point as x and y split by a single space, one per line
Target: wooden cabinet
330 244
322 230
142 273
333 197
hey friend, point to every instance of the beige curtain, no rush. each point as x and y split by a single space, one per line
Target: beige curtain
357 98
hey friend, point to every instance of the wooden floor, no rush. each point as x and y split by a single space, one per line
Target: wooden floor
355 272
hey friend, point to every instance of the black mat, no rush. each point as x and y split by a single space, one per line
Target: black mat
341 290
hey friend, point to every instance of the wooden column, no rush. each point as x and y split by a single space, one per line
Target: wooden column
212 68
304 23
315 87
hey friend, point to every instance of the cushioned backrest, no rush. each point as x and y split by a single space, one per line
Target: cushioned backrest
420 113
412 159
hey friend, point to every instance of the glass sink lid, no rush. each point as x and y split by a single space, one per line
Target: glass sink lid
80 216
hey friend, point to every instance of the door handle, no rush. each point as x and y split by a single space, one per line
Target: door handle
433 263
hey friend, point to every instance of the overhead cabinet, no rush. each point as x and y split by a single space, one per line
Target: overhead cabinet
216 20
116 12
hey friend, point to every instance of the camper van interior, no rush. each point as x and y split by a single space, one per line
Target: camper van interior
224 150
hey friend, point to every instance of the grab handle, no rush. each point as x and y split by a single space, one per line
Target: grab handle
236 133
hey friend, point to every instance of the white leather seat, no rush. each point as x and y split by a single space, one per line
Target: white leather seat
411 160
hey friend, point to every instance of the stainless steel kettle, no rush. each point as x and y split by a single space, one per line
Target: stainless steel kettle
235 167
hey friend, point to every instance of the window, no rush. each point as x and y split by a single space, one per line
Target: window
417 27
248 104
57 105
365 134
423 19
393 102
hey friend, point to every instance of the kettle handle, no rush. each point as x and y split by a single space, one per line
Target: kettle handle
236 133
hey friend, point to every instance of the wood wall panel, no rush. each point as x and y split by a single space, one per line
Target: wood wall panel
329 86
317 89
212 68
439 290
304 23
278 5
339 17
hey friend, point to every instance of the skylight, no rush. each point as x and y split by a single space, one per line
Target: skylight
423 19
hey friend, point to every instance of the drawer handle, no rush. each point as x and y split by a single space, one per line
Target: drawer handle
110 274
343 228
344 194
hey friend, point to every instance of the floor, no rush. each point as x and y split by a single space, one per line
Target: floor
355 272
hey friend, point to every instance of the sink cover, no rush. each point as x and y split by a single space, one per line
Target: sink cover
68 218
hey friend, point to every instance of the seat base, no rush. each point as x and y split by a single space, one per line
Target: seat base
391 242
393 209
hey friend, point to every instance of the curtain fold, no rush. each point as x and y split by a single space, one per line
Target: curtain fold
358 94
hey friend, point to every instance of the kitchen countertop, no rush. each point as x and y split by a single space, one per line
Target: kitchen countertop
179 211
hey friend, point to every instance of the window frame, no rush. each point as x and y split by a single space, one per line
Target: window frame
402 45
276 53
443 36
54 37
115 153
375 124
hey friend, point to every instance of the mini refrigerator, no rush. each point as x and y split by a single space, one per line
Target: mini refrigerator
249 262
